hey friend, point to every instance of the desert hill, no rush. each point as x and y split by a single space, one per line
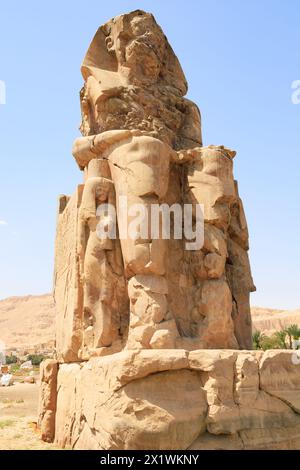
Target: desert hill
269 320
29 322
26 322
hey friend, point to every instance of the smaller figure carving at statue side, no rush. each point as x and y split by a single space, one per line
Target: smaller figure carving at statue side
210 182
100 269
238 273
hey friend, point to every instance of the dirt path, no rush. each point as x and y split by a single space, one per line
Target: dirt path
18 413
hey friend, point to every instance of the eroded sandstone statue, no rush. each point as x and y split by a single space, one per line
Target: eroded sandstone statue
116 296
142 141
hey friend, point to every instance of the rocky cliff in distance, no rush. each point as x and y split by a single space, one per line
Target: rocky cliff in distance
268 320
27 322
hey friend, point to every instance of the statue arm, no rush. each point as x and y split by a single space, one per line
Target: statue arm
87 148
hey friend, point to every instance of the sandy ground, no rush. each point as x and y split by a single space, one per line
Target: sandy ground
18 415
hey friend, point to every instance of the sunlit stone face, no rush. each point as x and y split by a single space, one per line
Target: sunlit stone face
211 183
140 48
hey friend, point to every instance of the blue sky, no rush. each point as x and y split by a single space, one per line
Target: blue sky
240 59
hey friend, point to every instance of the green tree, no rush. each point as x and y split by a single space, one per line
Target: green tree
11 359
271 342
257 339
35 359
281 337
293 331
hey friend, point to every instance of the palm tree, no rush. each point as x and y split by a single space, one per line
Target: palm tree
293 331
257 339
281 335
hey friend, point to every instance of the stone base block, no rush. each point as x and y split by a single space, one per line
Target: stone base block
174 399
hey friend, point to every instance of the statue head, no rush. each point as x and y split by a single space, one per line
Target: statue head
132 49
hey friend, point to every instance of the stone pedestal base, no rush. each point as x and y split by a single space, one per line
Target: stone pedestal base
174 399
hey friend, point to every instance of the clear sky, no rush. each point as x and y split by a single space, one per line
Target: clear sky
240 59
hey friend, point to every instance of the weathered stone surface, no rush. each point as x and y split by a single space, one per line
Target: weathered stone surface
47 399
67 287
280 376
148 331
277 438
234 394
133 80
205 399
246 379
130 401
67 402
221 442
217 372
141 141
104 304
